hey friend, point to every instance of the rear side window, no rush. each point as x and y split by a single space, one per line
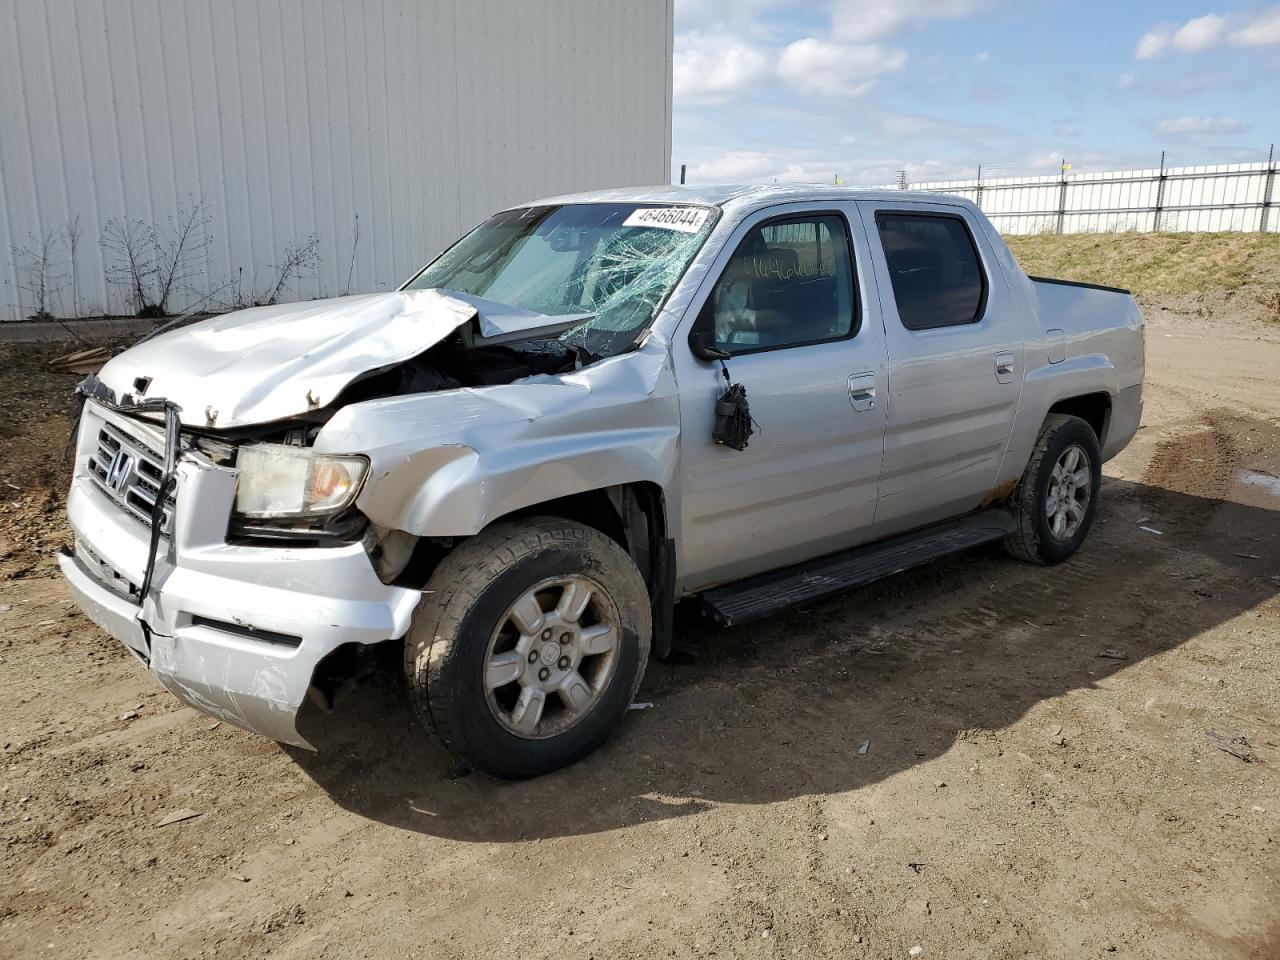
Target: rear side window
789 283
933 264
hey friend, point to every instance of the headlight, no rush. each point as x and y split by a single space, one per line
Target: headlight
283 481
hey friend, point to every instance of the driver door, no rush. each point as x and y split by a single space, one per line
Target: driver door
807 342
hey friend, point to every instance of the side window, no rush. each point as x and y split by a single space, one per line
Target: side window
790 282
933 264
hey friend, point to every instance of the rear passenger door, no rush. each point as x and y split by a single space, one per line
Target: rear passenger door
955 345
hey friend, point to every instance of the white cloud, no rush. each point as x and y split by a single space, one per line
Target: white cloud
1197 126
742 166
819 66
1209 31
862 22
742 16
1263 30
981 56
1153 43
789 167
715 68
1125 81
1200 33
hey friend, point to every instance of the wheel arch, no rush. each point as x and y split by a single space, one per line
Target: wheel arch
1093 408
633 515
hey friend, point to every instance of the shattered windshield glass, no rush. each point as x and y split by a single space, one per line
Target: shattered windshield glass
614 261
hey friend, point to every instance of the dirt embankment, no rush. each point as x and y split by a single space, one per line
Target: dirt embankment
1069 762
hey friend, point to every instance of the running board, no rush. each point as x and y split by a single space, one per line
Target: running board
769 593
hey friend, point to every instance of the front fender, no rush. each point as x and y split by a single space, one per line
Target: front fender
449 463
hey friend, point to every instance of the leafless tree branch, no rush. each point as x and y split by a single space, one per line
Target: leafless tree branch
38 275
300 260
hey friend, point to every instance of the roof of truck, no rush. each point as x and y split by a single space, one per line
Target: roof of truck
743 196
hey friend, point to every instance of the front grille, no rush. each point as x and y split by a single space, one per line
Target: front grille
130 472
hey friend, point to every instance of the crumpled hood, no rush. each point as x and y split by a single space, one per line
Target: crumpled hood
267 363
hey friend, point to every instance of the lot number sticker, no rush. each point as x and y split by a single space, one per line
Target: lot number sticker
684 219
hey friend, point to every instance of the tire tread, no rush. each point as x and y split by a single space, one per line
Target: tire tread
1025 543
454 589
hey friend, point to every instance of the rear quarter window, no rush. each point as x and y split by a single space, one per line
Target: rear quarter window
934 267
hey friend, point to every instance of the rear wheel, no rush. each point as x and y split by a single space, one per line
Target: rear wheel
528 646
1057 496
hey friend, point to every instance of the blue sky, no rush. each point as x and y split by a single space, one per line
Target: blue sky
794 90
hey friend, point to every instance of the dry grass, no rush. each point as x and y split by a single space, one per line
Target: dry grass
1270 302
1163 263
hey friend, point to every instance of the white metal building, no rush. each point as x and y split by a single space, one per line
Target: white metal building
295 117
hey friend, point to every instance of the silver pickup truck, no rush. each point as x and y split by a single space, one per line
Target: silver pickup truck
587 409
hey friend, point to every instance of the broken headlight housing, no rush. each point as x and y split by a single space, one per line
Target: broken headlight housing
279 482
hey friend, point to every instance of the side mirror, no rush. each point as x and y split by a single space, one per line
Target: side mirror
704 346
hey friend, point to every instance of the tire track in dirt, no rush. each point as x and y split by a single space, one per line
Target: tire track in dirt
1199 460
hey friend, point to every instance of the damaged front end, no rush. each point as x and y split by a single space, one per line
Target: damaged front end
236 631
230 556
250 492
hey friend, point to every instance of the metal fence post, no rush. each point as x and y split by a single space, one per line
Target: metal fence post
1155 220
1062 195
1267 185
1027 208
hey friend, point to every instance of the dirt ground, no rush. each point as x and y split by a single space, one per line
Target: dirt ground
1048 772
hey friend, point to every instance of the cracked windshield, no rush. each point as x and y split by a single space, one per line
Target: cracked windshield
613 262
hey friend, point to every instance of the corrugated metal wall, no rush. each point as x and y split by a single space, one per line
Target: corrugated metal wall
1237 196
293 117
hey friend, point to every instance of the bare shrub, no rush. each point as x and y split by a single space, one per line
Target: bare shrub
151 262
355 243
134 267
71 236
300 260
38 272
180 249
231 292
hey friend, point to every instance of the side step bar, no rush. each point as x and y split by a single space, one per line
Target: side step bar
769 593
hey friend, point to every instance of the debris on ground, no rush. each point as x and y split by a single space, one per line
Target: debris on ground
1152 530
81 361
1238 747
640 706
915 951
285 918
177 816
1110 654
864 746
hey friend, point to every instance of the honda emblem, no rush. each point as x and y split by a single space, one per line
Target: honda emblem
119 471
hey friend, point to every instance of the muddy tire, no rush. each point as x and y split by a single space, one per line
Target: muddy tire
1057 496
528 646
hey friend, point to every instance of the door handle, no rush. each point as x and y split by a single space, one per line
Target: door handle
1004 367
862 391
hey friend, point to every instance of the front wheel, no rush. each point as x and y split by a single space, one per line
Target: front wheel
529 644
1057 496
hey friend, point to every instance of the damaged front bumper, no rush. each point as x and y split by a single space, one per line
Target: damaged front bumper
235 631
